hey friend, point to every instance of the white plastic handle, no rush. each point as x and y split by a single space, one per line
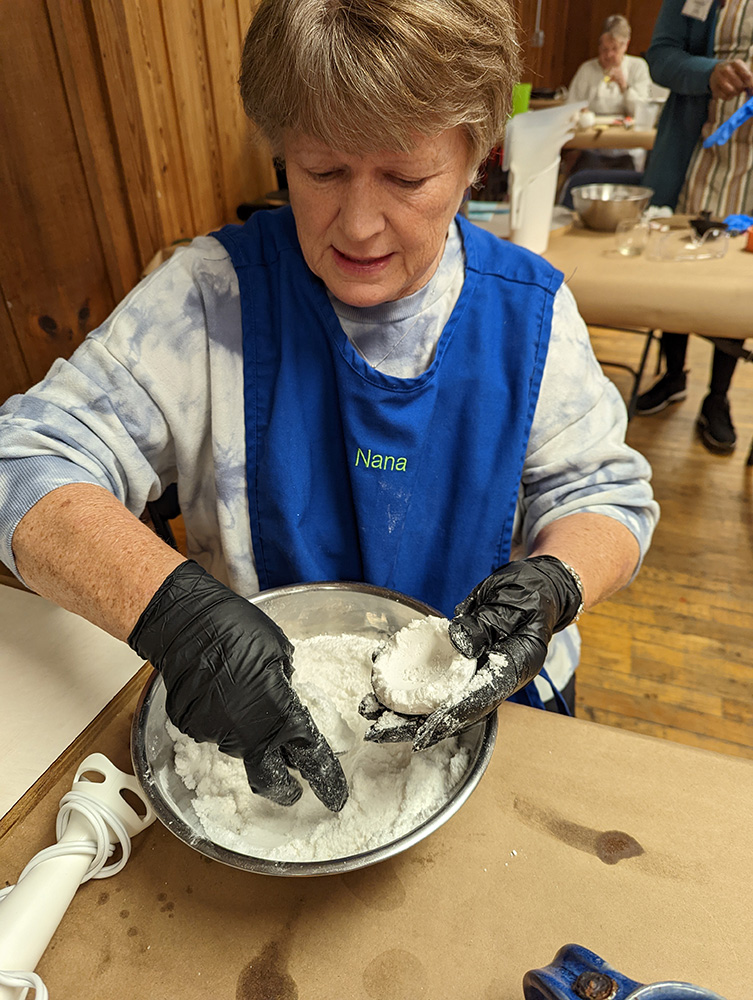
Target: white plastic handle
33 909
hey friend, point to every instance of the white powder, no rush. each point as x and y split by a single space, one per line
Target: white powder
392 790
418 668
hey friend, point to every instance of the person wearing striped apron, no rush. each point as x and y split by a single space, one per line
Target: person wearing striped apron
702 50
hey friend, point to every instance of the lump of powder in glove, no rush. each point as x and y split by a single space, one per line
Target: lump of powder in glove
418 669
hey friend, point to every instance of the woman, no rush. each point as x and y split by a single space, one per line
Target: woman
706 64
611 84
361 386
613 81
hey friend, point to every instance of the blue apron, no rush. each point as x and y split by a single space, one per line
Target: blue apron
410 484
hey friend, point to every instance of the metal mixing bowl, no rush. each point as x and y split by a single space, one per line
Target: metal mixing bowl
602 206
301 611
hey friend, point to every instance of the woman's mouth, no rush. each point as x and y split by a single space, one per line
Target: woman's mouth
360 265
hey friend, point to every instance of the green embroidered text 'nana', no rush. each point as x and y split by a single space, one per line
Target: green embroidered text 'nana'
374 461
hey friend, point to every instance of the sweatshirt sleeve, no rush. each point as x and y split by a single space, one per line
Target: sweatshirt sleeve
577 459
106 415
580 89
670 64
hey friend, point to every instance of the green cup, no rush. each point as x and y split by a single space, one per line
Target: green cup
521 95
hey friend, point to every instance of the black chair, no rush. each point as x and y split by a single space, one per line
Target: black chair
162 511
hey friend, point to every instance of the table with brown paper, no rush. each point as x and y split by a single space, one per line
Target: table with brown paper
713 298
634 847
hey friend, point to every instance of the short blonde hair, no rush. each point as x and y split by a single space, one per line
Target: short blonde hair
368 75
618 27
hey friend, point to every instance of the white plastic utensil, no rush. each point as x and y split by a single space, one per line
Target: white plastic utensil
94 818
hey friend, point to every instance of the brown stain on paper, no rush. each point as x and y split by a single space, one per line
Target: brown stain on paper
394 975
266 977
609 846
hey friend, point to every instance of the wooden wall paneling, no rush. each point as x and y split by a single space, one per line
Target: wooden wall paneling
114 46
14 373
580 44
247 170
543 66
162 126
245 10
642 16
186 46
554 21
526 11
85 89
52 266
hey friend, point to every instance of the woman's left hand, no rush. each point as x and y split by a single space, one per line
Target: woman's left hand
506 623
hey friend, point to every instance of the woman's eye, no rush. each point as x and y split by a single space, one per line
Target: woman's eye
407 182
323 175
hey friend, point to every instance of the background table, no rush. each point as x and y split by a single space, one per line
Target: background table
636 848
612 137
709 297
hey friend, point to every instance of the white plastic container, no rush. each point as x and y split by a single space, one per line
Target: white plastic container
646 113
531 207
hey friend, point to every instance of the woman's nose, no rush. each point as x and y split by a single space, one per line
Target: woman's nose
361 214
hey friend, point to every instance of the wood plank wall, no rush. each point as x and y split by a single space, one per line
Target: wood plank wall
121 132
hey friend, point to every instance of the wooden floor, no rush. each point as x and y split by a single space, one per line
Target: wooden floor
671 655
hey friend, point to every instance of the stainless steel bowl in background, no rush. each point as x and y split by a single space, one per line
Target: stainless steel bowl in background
301 611
603 206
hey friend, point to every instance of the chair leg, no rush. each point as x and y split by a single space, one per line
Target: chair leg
161 525
632 402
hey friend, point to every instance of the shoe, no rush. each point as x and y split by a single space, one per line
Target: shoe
715 424
669 389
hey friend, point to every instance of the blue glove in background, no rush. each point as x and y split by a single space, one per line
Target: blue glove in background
725 130
738 223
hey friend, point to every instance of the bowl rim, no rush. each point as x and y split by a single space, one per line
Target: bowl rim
638 191
265 866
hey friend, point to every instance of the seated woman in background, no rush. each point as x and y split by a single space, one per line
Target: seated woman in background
614 81
611 84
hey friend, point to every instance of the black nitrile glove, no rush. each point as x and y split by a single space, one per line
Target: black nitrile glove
227 667
506 622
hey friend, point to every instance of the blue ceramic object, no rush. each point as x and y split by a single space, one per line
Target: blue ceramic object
578 974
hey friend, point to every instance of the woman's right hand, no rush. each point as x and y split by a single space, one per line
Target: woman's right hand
729 79
227 667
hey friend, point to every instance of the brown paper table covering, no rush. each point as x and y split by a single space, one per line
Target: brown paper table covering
709 297
612 137
636 848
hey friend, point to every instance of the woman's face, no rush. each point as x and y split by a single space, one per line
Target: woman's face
611 51
373 227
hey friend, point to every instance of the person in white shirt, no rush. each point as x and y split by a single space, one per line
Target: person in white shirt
614 81
611 84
